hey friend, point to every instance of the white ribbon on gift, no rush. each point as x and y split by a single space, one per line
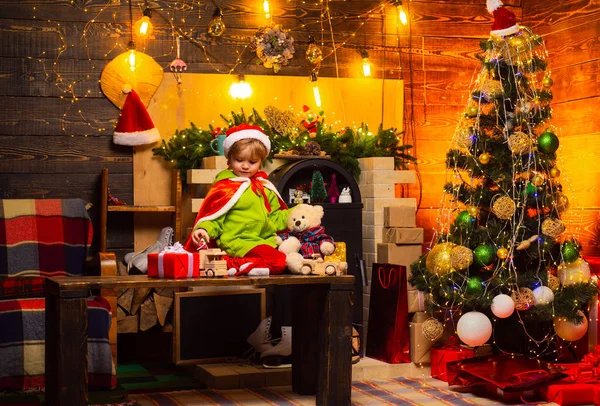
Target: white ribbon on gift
176 248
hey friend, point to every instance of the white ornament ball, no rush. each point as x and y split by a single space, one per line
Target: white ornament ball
474 328
569 331
503 306
542 295
575 272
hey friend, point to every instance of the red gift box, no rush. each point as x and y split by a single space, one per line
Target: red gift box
173 265
441 356
570 393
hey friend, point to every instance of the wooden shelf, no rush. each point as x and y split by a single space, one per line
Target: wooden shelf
174 209
128 208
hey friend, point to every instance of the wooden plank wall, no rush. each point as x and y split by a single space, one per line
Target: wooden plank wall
47 61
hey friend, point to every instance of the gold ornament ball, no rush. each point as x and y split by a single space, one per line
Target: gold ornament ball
461 257
472 111
569 331
485 158
553 227
537 180
554 172
473 211
504 207
519 143
547 82
432 329
523 298
553 282
562 202
502 253
438 260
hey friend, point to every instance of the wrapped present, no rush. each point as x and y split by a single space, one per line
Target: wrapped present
388 332
441 356
174 263
416 300
400 216
398 254
399 235
570 393
420 347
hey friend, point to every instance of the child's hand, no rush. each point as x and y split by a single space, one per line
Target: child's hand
200 234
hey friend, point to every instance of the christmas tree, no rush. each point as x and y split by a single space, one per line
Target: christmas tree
501 263
318 193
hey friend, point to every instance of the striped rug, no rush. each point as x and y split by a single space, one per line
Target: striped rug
397 391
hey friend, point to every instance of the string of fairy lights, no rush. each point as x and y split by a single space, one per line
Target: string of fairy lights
187 22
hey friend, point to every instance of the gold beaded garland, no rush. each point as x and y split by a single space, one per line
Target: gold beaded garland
461 257
432 329
504 207
553 227
523 298
520 143
485 158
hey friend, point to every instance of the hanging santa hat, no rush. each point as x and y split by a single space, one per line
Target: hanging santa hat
135 126
505 21
243 131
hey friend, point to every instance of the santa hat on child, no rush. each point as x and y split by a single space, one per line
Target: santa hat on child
135 126
243 131
505 21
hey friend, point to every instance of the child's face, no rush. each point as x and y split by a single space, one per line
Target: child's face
244 164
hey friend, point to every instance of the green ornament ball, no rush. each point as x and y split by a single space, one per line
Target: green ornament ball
547 142
464 219
484 255
474 285
570 252
529 190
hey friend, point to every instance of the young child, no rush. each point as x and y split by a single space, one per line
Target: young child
243 210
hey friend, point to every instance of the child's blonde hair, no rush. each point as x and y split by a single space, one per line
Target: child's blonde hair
256 148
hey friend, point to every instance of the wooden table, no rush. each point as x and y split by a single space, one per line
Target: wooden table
321 333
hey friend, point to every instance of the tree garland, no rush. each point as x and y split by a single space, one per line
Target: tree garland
189 146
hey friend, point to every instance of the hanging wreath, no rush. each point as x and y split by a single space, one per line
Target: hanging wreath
273 46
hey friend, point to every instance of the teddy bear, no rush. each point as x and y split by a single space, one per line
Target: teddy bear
305 236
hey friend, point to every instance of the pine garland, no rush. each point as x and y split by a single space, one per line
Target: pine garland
189 146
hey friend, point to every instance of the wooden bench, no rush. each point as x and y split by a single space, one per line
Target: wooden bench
321 333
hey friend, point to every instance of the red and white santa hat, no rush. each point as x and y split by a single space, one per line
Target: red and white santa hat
243 131
505 21
135 126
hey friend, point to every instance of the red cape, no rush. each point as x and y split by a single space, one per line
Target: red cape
222 196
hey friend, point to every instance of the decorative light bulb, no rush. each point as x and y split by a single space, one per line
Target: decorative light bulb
240 89
402 15
143 27
266 9
366 64
313 79
131 57
216 26
314 54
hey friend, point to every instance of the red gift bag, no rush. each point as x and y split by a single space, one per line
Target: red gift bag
388 334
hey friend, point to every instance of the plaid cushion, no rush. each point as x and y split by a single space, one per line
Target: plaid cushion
44 237
14 288
22 346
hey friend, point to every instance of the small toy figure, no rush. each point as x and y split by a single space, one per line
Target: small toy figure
345 196
298 199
